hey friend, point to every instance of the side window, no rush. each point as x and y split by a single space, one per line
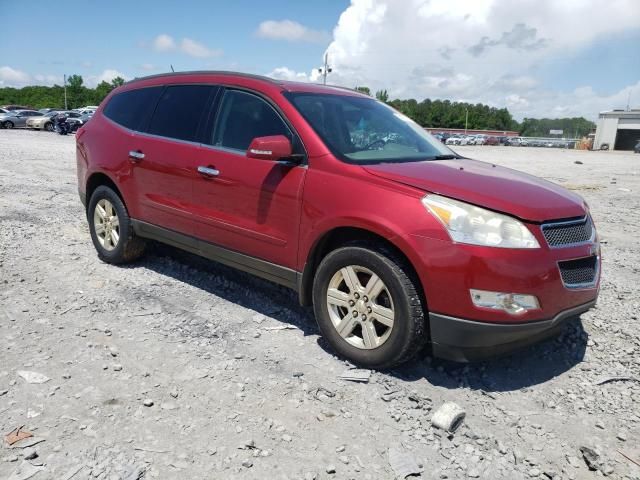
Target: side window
132 108
243 117
179 111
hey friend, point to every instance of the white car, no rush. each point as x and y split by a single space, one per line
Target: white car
91 109
453 141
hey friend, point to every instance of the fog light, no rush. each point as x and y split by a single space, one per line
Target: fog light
513 303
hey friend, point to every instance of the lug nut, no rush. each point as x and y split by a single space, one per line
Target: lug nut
351 303
365 298
368 309
356 295
364 317
355 313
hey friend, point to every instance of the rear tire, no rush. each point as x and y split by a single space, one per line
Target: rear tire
8 125
48 127
394 316
111 230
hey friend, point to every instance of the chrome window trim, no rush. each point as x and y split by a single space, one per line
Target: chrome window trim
586 218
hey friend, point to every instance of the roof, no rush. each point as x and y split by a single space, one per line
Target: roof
634 112
287 85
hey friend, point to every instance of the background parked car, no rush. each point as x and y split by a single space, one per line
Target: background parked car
17 118
491 141
88 109
453 140
45 122
480 139
76 123
16 107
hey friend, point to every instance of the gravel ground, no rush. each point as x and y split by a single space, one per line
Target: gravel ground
176 367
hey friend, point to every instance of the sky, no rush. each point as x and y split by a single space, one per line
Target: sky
538 58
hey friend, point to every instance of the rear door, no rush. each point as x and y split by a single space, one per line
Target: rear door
251 206
167 154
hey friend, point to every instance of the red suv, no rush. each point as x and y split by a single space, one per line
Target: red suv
393 238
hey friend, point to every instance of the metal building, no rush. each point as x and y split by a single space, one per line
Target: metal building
618 130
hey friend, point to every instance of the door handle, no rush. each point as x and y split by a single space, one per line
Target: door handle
136 155
208 171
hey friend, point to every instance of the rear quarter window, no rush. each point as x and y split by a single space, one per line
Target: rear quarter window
132 108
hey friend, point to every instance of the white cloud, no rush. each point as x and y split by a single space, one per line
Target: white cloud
11 77
195 49
284 73
188 46
477 50
291 31
106 76
147 66
40 79
164 43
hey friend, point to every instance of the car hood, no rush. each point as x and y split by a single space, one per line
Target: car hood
487 185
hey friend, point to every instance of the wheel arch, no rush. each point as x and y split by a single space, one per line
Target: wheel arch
335 238
98 179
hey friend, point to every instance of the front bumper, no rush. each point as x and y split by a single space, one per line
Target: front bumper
463 340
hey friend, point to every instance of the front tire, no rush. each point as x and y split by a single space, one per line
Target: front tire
8 124
48 127
111 230
368 306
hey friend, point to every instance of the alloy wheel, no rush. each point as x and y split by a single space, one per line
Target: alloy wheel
106 224
360 307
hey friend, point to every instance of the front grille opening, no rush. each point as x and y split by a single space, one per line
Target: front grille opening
580 272
568 233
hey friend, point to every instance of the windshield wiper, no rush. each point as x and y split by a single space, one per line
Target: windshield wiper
446 156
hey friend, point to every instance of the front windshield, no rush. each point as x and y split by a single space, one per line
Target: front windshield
364 130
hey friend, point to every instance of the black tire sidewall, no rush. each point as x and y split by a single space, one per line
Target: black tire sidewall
403 330
117 255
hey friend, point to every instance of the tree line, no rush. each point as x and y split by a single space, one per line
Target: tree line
427 113
448 114
78 95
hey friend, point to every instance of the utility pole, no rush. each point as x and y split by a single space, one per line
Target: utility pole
326 69
65 92
466 120
629 101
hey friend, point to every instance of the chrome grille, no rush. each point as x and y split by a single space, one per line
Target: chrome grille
582 272
572 232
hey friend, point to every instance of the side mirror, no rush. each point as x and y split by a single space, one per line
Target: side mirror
274 147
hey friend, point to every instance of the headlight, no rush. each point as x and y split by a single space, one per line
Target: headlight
474 225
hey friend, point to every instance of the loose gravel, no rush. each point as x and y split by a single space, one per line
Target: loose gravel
176 367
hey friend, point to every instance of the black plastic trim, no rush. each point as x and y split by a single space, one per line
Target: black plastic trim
255 266
463 340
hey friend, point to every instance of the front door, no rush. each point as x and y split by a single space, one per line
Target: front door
251 206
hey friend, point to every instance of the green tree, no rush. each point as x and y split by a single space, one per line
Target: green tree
117 82
365 90
382 95
75 81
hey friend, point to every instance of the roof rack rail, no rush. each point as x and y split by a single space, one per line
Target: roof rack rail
205 72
